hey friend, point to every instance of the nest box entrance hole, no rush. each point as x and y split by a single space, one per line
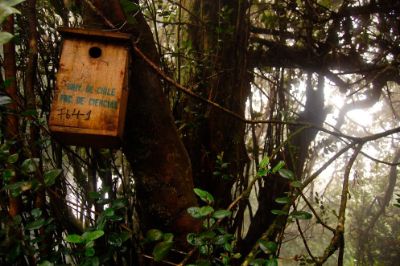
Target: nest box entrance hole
95 52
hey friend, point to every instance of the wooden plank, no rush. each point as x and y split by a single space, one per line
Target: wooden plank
95 35
91 94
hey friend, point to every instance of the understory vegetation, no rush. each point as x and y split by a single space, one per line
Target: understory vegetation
258 132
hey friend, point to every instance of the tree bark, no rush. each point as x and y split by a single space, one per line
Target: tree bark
218 31
159 161
11 120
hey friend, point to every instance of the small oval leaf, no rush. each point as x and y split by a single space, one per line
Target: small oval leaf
50 177
89 252
35 224
74 238
204 195
30 165
301 215
279 212
13 158
264 162
194 212
278 167
283 200
269 247
296 184
206 210
161 250
286 173
154 235
109 212
92 235
221 214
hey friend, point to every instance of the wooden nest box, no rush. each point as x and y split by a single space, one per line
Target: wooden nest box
89 105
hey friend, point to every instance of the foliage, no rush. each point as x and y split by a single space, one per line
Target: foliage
215 244
296 68
163 243
7 9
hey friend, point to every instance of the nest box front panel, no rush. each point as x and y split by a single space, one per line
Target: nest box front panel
91 89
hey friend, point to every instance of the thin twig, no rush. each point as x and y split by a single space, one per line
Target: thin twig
305 241
319 220
97 11
164 261
337 241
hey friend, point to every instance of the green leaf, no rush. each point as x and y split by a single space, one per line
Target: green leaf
89 252
326 3
168 237
206 210
89 244
296 184
19 187
283 200
207 235
301 215
193 239
109 212
119 204
208 223
200 212
116 218
7 174
222 239
13 158
204 195
269 247
195 212
279 212
35 224
228 247
92 235
129 6
154 235
6 8
258 262
31 112
216 173
161 250
30 165
12 2
50 177
5 37
4 99
115 240
74 238
272 262
125 236
237 256
278 167
221 214
286 173
94 195
262 172
36 213
264 162
91 261
45 263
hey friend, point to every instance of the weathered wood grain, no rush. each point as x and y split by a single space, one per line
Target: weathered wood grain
89 105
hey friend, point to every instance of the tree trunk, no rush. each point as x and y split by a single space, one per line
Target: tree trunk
218 32
11 120
160 163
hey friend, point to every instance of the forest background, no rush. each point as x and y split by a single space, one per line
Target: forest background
257 132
